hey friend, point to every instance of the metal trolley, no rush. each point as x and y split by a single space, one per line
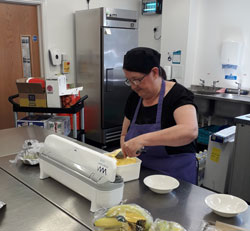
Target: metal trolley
77 107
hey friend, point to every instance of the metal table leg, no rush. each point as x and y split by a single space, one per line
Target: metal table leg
74 126
15 118
82 125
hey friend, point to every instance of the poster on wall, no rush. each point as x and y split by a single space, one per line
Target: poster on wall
176 57
25 44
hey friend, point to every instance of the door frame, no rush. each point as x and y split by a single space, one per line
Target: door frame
42 30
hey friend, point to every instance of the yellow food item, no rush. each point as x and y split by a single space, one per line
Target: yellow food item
124 161
134 217
107 222
133 214
111 223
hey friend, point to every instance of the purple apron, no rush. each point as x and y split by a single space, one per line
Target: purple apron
182 166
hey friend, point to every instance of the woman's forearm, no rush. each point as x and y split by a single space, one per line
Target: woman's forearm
177 135
122 140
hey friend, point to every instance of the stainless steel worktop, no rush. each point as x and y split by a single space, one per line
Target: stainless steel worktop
225 97
225 105
184 205
12 139
27 210
211 93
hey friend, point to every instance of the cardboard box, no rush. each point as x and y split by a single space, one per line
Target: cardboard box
38 120
31 94
60 124
55 87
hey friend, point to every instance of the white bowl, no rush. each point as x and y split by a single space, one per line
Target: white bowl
161 183
226 205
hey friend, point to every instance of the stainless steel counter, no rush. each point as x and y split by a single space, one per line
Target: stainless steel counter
184 205
224 105
225 97
27 210
12 139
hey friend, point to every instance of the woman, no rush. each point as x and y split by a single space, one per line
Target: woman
160 117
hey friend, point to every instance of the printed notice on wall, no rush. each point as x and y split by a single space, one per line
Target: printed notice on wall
25 44
176 57
215 154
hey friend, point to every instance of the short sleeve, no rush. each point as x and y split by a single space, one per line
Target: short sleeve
181 96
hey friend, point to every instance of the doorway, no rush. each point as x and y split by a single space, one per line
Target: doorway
17 22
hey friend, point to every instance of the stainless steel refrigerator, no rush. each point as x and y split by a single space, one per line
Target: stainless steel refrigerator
103 36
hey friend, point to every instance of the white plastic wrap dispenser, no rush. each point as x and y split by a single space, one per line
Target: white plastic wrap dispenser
86 171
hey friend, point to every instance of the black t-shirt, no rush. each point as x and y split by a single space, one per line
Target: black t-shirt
176 97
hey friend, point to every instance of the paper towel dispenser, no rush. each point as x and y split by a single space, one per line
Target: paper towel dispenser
230 53
230 58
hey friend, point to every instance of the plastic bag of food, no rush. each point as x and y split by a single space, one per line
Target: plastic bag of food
30 152
163 225
2 204
208 226
127 217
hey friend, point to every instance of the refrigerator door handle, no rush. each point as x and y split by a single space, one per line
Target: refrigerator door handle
109 79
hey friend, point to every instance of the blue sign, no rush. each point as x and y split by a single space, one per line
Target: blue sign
231 77
34 38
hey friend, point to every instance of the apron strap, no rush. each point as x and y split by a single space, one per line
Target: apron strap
160 102
136 111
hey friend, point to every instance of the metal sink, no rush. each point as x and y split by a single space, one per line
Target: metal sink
230 108
205 106
220 104
205 92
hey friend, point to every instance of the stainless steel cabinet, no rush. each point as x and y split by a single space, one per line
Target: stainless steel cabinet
240 174
103 36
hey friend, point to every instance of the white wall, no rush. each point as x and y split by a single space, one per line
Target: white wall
59 27
192 39
146 36
175 22
218 21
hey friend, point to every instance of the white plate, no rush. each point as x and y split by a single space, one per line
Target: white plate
226 205
161 183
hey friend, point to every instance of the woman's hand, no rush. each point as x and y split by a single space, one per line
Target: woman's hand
131 147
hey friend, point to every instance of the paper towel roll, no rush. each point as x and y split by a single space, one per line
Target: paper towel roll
168 71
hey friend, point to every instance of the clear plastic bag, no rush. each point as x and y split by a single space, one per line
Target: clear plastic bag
2 204
127 217
208 226
163 225
30 152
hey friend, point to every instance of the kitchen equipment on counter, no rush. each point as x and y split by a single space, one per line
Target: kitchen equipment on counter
235 91
226 205
103 36
219 160
240 174
161 183
128 168
120 154
86 171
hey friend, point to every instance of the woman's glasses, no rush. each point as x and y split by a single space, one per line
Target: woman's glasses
134 81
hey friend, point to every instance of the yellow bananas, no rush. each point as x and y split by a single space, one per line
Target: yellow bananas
107 222
133 217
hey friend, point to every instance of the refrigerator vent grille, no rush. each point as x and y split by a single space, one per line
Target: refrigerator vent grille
112 136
